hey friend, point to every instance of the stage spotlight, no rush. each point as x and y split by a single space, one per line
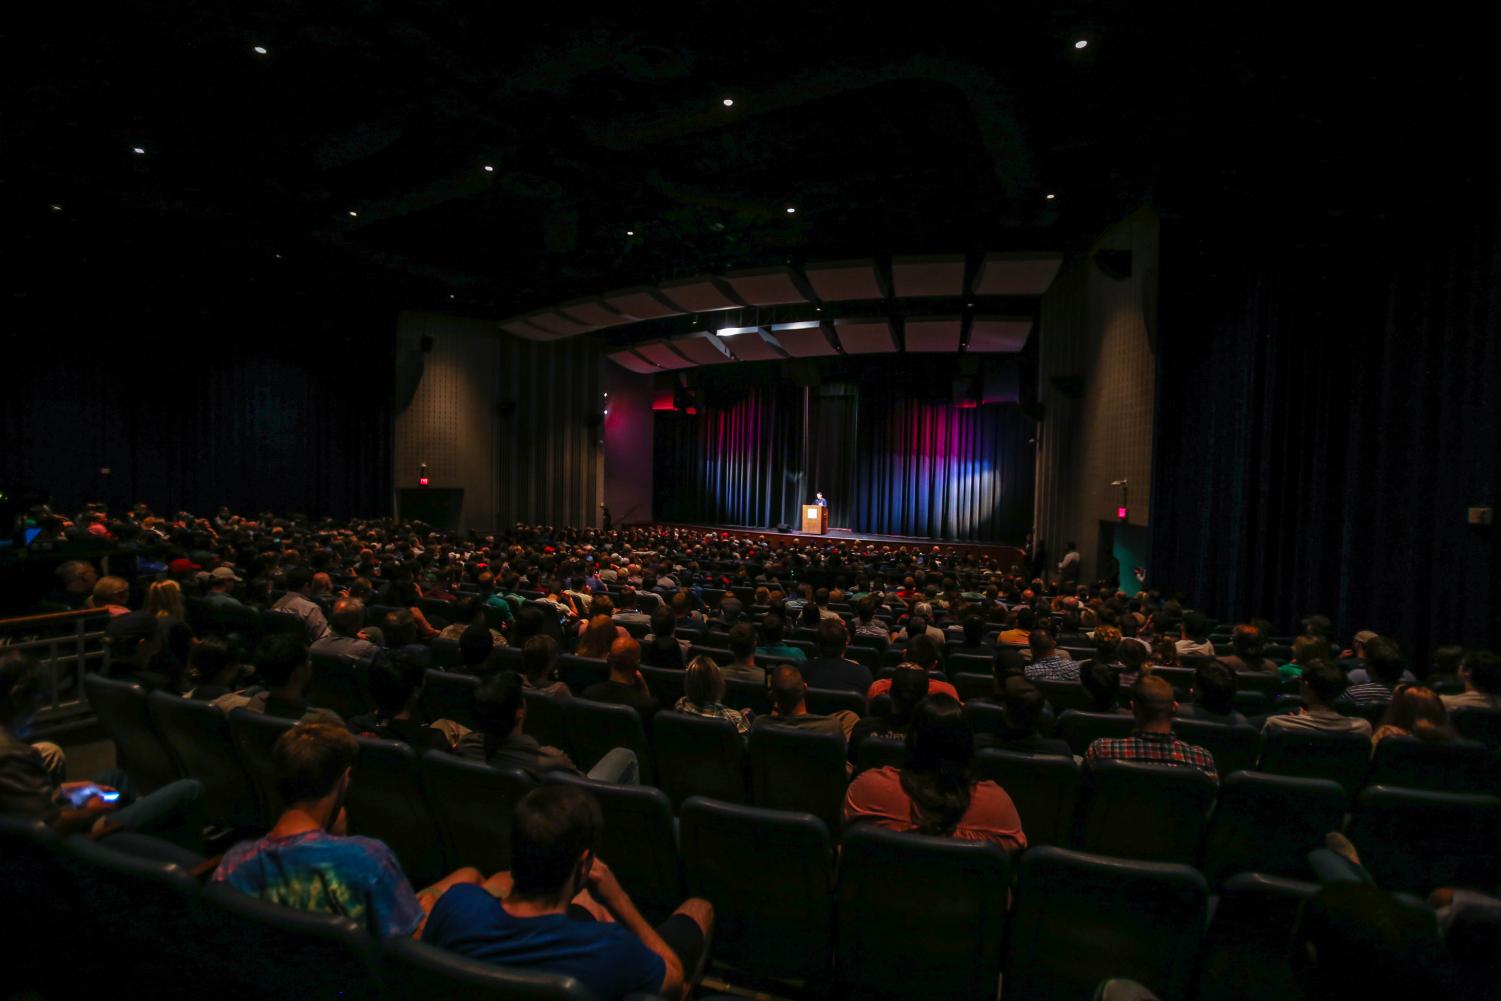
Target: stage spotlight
630 232
55 207
790 210
353 214
489 169
138 150
729 102
259 50
1051 196
452 296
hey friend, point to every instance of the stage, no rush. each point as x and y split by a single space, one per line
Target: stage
843 537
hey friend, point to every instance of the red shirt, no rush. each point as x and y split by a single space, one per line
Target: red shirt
935 687
877 797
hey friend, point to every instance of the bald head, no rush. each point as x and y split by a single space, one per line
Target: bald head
624 658
1152 701
348 616
787 689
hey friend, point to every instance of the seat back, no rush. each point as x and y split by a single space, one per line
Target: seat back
1483 725
1416 841
969 663
198 736
282 952
984 717
139 749
136 906
448 695
1044 788
1081 729
878 752
1265 682
639 842
800 770
446 653
1181 678
34 882
1461 766
386 802
254 735
775 920
339 683
415 970
698 756
866 656
973 686
472 803
1234 748
1340 757
1064 695
578 673
544 719
1269 823
1154 813
958 887
719 655
282 623
826 701
1079 919
742 694
665 683
596 728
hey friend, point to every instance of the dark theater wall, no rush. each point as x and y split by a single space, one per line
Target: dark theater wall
258 408
1329 407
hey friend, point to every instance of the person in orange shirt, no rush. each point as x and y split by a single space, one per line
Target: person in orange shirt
921 655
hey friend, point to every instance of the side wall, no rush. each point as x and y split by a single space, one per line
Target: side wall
628 444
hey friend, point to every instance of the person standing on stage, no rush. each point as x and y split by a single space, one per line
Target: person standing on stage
819 499
1068 568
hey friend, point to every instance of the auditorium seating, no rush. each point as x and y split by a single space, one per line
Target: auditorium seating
1253 805
1414 840
197 734
1463 766
471 804
798 770
1043 787
254 734
596 728
545 721
699 756
1341 757
386 802
1156 813
139 750
447 695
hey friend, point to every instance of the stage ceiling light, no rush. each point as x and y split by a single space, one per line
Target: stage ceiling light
790 210
729 102
138 150
489 169
260 50
353 213
1081 43
1051 197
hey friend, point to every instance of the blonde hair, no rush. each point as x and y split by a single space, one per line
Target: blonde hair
165 599
110 591
703 681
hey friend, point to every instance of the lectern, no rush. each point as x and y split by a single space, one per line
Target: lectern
815 519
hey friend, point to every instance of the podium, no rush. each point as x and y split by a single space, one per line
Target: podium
815 519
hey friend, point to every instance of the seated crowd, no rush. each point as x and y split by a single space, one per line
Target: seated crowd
942 661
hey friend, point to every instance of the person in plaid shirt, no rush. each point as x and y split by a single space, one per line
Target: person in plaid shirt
1152 742
1047 664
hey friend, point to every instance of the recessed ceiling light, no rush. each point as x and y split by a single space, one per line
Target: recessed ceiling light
630 232
790 210
259 50
277 256
55 207
138 150
1081 43
352 213
489 169
729 102
452 296
1051 197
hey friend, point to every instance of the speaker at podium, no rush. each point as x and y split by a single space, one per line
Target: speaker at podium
815 519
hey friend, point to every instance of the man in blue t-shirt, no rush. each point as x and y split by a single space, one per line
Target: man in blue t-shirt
564 912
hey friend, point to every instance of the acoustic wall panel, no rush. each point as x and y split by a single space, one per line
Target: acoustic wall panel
766 286
1017 273
937 275
662 353
808 339
842 281
862 337
999 333
933 334
699 295
640 303
631 360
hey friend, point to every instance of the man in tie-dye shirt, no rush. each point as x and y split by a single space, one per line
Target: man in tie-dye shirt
308 863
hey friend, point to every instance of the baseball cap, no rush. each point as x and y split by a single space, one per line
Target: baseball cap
1365 636
182 565
224 573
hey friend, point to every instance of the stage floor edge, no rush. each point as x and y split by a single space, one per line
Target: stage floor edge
845 537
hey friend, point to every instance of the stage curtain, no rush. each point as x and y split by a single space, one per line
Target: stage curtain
889 465
1329 405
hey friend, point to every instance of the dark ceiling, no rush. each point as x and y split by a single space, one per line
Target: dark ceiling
937 128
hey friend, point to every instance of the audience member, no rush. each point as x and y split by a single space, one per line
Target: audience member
625 685
1213 695
1415 712
112 594
1193 640
771 640
343 638
539 658
790 707
908 688
1481 674
281 661
1022 708
1152 742
703 694
298 601
1248 644
395 680
498 737
1047 663
921 652
1320 684
1384 661
214 669
308 861
831 670
933 793
742 643
541 923
1101 686
661 647
598 635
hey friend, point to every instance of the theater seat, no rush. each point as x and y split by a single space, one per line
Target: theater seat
1153 813
386 802
770 876
578 673
1078 919
919 916
1181 678
1248 951
276 951
1416 841
973 686
741 694
544 719
666 683
1269 823
984 717
640 842
472 803
1064 695
254 735
969 663
448 695
282 623
139 749
1043 787
446 654
1234 748
596 728
414 970
1462 766
798 770
1340 757
1483 725
879 752
719 655
35 887
826 701
198 736
339 683
1081 729
698 756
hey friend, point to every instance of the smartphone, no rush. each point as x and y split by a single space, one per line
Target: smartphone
82 795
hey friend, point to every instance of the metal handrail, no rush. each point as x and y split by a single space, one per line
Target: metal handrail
83 632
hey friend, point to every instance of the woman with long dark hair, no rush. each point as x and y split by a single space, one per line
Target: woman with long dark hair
934 792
